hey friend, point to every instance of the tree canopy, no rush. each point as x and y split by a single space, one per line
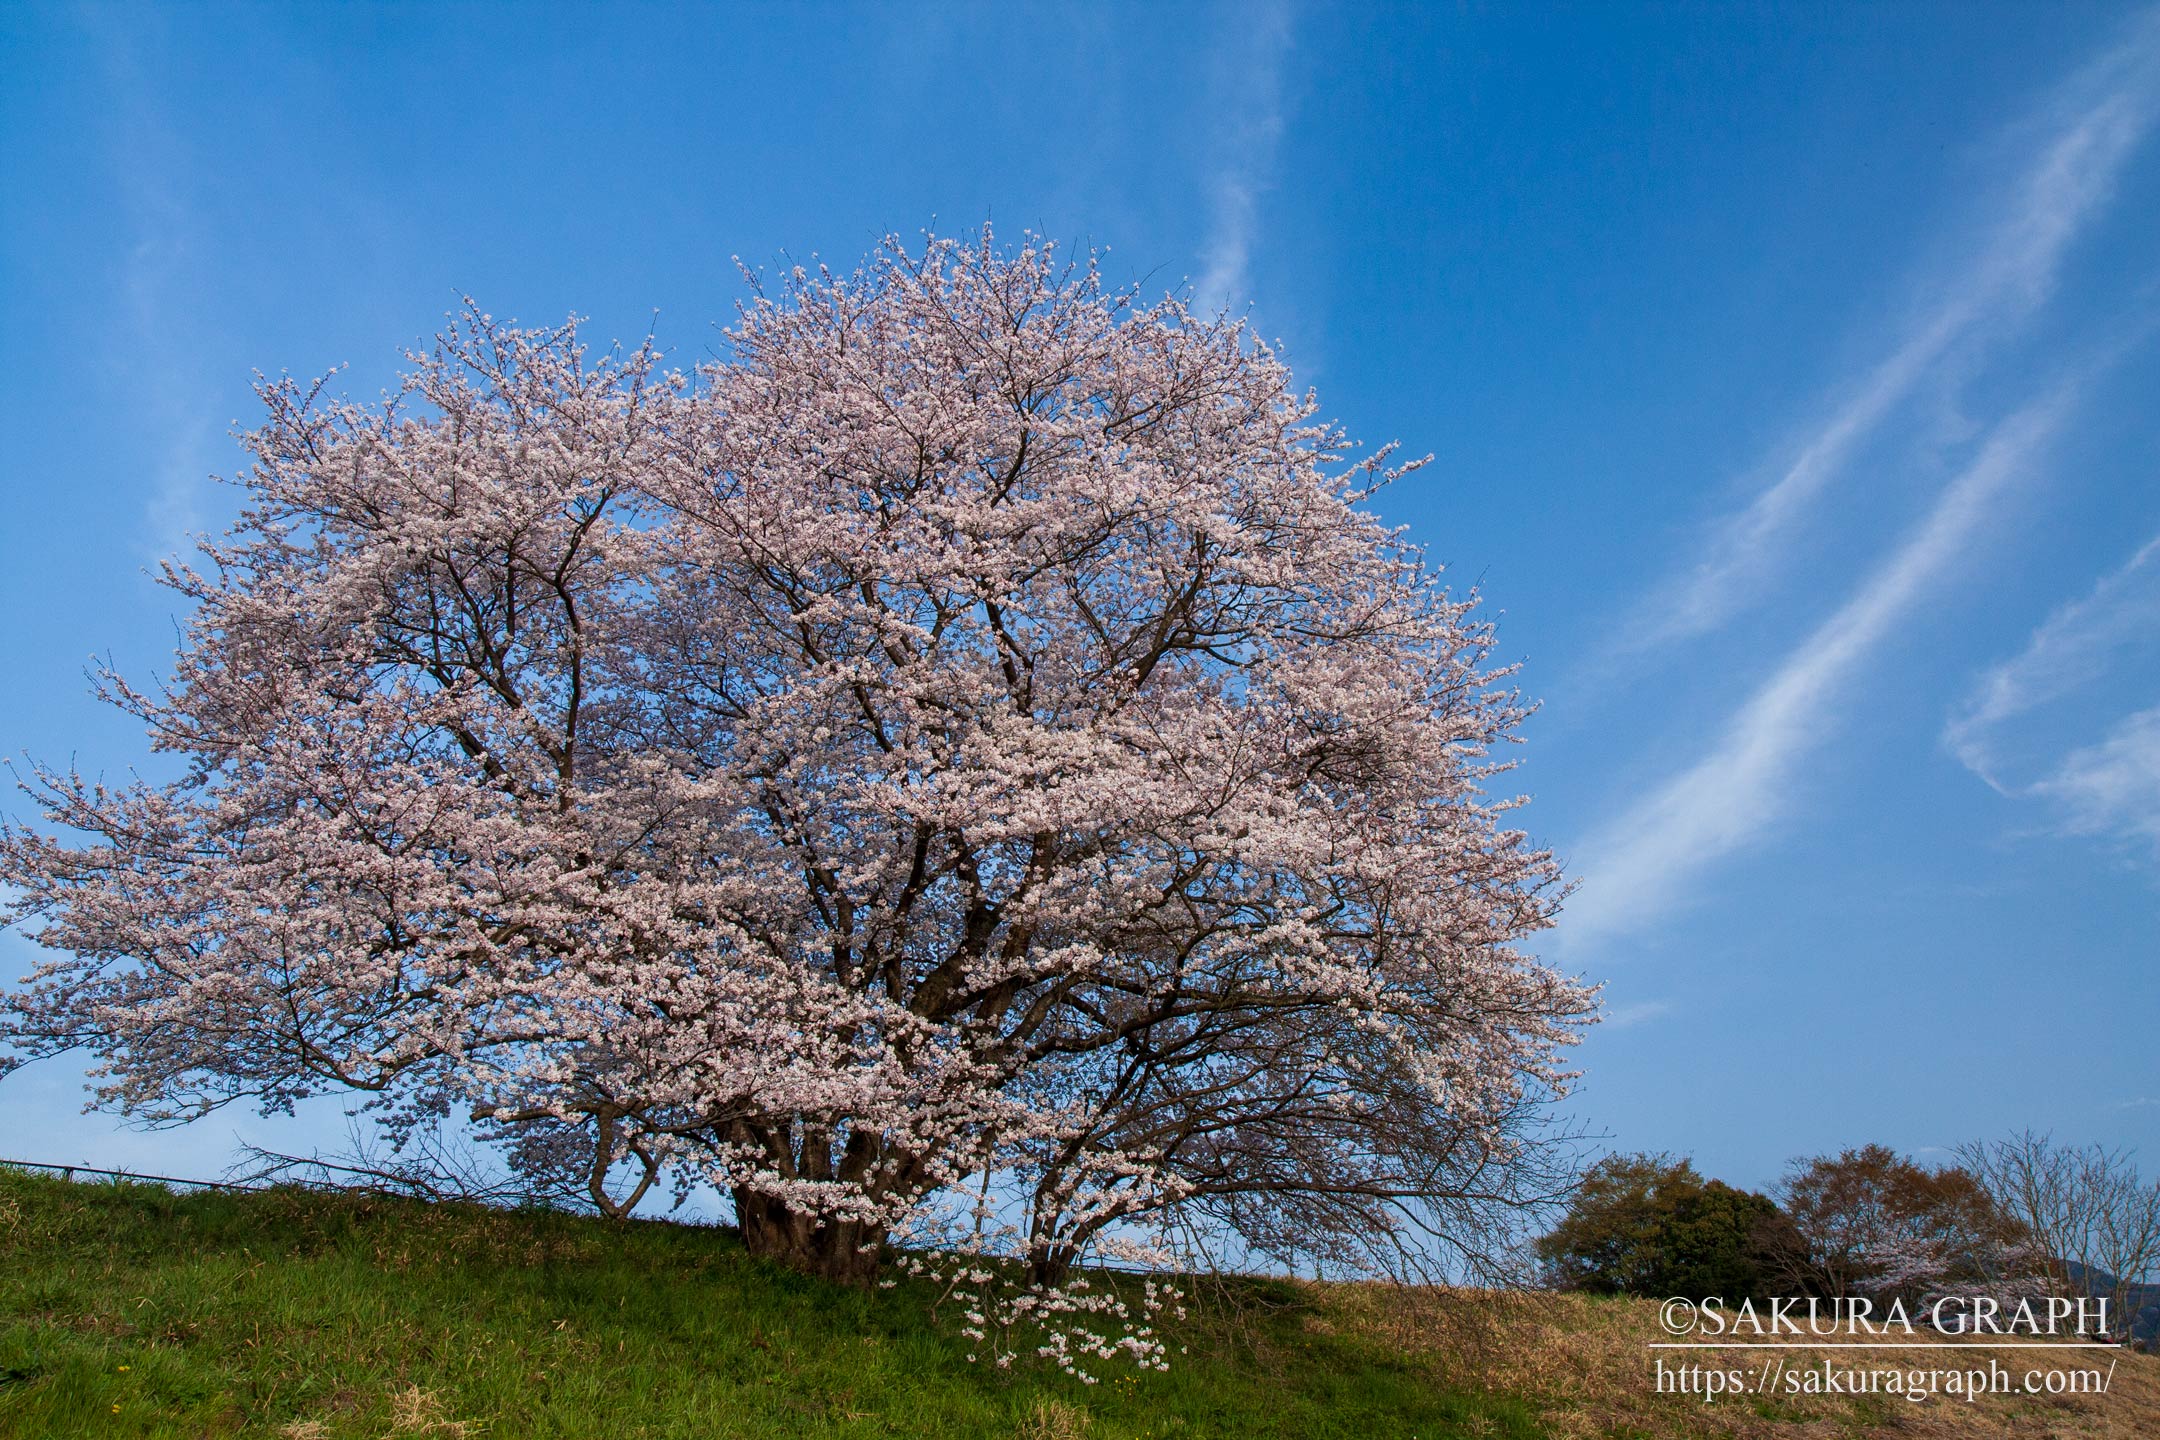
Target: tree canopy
972 729
1874 1223
1651 1225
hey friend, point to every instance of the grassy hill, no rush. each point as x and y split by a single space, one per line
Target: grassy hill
127 1310
130 1311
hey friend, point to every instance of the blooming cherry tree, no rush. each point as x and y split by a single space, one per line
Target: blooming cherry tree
971 736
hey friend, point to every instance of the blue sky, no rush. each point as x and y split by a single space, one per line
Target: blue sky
1790 374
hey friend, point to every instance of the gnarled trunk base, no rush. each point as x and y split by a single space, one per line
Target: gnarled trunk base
847 1251
1052 1267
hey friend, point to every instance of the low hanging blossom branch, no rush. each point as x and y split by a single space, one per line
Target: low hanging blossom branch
971 728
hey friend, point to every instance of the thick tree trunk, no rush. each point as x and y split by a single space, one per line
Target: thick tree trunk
1052 1267
846 1251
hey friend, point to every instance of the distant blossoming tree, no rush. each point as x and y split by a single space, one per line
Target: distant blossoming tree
1874 1223
968 732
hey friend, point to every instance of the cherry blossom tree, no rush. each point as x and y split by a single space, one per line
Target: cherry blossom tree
971 737
1874 1223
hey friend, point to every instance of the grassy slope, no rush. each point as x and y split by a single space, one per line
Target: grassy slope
129 1311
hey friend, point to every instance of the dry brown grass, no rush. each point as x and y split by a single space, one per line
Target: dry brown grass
1053 1420
414 1411
1584 1361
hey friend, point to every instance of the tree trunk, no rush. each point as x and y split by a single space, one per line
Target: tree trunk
1052 1265
846 1251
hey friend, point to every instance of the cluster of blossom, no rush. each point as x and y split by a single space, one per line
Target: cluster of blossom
1923 1269
992 1274
974 726
1067 1323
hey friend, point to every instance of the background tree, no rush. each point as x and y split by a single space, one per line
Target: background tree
2094 1225
1651 1225
971 733
1874 1223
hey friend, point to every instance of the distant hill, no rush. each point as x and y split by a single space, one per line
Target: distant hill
2144 1300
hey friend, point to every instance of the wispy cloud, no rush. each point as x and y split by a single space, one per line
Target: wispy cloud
1641 865
2009 731
175 404
2089 129
1252 106
158 290
1637 1012
2075 646
2112 788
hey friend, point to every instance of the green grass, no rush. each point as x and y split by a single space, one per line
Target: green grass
127 1310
